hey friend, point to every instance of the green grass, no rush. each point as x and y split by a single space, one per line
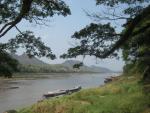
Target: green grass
125 95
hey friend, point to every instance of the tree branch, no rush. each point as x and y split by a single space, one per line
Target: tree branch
19 30
5 26
26 5
130 28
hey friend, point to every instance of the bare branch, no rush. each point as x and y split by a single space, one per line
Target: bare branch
129 32
19 30
114 15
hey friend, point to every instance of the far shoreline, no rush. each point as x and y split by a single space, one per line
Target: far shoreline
26 76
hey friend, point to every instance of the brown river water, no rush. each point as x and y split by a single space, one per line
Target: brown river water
30 91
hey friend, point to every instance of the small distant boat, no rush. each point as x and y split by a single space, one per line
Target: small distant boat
62 92
110 79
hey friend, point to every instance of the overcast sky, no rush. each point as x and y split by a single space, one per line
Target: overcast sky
57 34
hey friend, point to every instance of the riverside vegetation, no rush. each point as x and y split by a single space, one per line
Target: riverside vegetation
127 94
99 39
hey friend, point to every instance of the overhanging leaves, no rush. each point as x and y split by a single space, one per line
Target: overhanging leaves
33 46
95 39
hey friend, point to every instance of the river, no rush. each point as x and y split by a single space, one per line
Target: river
30 91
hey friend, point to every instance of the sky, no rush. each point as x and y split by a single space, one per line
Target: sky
57 34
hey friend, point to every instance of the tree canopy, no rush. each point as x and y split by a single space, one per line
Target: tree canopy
13 12
99 39
102 40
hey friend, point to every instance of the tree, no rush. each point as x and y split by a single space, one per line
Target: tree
7 64
13 12
77 66
103 41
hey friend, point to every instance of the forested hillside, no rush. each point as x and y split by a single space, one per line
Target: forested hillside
34 65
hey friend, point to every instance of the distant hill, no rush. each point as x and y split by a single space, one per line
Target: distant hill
92 68
36 65
70 62
24 59
100 69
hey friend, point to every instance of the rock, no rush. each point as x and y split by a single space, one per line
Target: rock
11 111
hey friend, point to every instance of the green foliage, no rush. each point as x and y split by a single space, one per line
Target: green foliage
133 7
128 68
136 51
116 2
103 41
13 12
78 65
8 65
94 39
39 9
122 96
56 68
33 46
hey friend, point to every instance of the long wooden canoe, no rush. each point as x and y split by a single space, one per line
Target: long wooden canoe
62 92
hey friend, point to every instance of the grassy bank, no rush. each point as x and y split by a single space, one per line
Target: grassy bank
124 95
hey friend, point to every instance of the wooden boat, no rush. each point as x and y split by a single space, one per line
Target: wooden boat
62 92
107 80
75 89
110 79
